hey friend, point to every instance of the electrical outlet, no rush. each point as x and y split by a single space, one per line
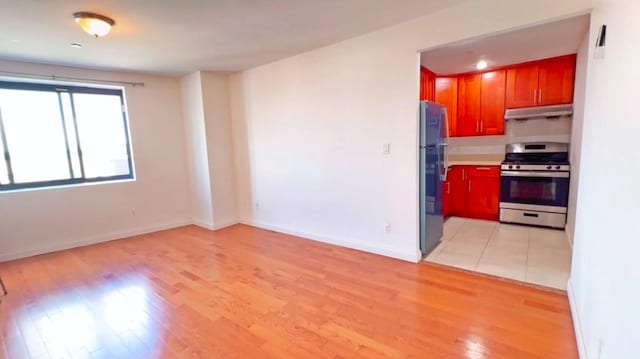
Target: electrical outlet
133 212
387 227
257 206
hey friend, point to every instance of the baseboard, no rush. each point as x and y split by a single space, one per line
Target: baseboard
202 224
365 247
215 226
93 240
577 327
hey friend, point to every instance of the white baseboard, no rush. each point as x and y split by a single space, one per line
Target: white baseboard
202 224
92 240
366 247
577 327
216 226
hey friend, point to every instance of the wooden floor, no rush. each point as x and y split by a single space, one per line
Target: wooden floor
249 293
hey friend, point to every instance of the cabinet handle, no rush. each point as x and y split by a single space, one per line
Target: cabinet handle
481 126
540 97
448 187
469 186
483 168
535 96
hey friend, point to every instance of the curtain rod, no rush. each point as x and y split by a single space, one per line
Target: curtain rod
65 78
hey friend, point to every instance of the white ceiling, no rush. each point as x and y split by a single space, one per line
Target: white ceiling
179 36
533 43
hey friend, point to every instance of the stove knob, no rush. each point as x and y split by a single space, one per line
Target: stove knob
517 167
557 167
548 167
510 166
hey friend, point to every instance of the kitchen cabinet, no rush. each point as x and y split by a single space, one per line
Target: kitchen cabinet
427 84
469 105
447 95
472 191
446 197
492 93
481 104
541 83
483 190
556 80
455 190
522 86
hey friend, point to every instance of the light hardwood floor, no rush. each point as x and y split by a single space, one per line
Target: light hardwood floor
250 293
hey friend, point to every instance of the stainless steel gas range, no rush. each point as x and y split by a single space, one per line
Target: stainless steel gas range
535 184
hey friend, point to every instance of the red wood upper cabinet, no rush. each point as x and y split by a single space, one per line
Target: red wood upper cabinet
522 86
469 105
492 97
555 80
427 84
447 95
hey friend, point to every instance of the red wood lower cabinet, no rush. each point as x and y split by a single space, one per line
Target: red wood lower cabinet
472 191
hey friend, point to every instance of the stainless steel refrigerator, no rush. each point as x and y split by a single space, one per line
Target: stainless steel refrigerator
433 172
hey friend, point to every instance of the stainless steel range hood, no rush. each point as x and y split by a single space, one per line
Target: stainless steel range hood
539 112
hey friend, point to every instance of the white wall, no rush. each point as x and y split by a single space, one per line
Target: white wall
197 154
553 130
215 94
576 134
37 221
309 129
205 97
605 277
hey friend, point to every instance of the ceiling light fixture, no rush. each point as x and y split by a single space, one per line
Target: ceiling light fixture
95 25
481 65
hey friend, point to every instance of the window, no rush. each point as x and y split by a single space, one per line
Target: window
56 135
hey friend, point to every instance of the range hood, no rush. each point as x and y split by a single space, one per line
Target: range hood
539 112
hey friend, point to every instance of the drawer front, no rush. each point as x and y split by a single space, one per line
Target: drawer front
484 171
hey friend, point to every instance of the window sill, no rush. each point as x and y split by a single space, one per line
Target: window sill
66 186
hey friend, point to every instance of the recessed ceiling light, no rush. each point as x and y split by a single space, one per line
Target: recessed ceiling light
95 25
77 45
481 65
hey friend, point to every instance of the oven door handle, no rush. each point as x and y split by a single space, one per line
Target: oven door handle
534 174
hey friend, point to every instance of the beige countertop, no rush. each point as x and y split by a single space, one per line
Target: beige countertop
475 160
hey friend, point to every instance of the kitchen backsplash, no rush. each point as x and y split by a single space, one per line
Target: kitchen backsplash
554 130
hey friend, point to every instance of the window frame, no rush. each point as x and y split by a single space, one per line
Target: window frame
70 89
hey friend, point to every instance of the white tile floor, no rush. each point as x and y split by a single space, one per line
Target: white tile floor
529 254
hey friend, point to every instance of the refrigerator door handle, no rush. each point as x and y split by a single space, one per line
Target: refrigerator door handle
444 145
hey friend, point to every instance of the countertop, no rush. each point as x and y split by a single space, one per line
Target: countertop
475 160
474 163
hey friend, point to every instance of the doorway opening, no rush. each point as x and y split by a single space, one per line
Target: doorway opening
511 99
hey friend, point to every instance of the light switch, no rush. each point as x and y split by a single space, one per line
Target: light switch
386 148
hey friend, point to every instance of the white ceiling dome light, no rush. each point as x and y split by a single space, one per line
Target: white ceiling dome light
95 25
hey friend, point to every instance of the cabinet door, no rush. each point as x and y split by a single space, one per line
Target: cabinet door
427 84
492 108
522 86
446 198
556 79
447 95
483 188
469 105
458 190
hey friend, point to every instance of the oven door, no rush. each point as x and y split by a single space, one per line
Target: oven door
550 189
